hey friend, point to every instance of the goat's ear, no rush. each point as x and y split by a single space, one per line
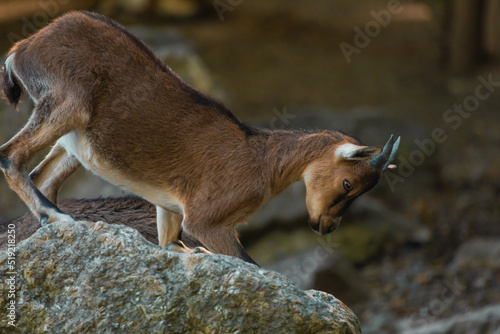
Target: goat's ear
355 152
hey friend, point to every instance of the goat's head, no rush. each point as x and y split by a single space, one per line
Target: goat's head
336 180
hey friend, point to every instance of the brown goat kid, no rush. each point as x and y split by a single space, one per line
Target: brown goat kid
109 104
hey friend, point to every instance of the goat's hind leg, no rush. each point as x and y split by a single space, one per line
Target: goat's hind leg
48 123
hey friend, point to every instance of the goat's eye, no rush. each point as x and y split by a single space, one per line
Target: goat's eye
347 186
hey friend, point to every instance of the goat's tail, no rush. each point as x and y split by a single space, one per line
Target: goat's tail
11 88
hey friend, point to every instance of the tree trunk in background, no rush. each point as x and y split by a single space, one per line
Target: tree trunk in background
466 38
492 29
443 11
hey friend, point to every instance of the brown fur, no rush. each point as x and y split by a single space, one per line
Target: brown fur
121 112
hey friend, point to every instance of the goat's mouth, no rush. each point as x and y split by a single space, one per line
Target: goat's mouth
315 225
327 226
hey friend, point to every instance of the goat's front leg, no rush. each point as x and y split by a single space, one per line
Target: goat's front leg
41 131
168 224
218 238
50 174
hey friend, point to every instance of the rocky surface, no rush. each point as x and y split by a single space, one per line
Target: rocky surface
324 269
409 293
96 277
476 253
485 320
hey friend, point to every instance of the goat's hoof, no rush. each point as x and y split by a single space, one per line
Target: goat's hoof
44 219
198 250
177 246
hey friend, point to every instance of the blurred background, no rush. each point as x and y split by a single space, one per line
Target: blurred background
421 250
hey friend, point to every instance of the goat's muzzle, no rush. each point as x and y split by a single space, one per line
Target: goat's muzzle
325 225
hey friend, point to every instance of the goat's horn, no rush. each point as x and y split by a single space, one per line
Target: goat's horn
381 161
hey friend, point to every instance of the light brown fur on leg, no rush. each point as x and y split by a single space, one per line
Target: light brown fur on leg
50 174
169 226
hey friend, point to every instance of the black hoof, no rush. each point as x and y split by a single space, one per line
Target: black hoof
201 250
44 219
4 162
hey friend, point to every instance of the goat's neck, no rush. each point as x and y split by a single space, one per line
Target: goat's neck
288 153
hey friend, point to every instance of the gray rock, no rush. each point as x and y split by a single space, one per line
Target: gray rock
485 320
100 278
379 324
477 253
323 268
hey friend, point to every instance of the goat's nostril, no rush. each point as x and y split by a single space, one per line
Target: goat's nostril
315 226
335 225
